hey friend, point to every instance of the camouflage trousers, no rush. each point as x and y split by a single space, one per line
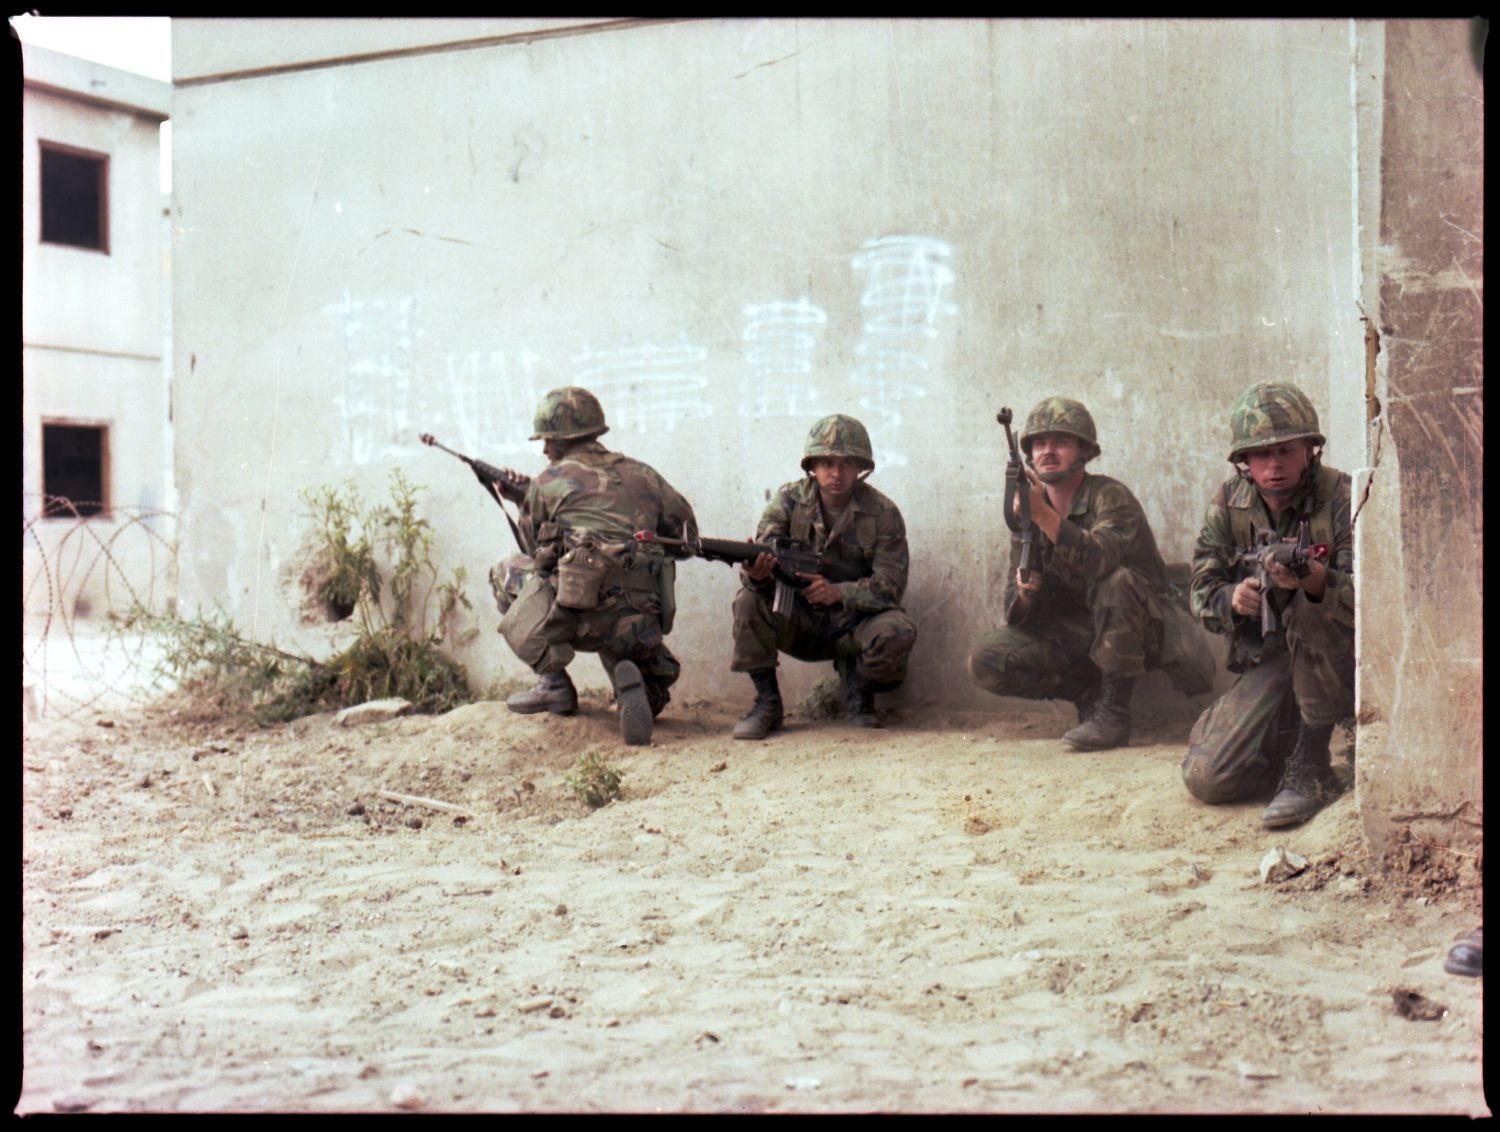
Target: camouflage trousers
1119 635
1239 745
877 645
625 626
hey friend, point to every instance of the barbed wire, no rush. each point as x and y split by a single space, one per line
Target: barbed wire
85 568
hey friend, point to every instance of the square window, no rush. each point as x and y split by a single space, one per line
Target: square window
74 465
75 198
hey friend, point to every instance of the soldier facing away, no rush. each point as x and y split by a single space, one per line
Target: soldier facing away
591 587
1298 678
1098 613
859 624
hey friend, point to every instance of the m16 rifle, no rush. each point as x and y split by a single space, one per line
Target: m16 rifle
500 484
1018 486
793 558
1295 556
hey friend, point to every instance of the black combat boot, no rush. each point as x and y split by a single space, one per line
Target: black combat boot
657 695
1307 784
766 714
1082 692
1108 721
633 704
552 692
859 698
1466 957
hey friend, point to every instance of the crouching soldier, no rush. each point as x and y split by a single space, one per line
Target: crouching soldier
1274 571
859 624
1096 611
591 587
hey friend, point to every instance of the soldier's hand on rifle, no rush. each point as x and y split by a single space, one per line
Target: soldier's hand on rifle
1246 598
1040 504
1286 578
1027 588
760 569
820 591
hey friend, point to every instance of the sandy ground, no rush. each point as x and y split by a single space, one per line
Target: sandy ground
951 914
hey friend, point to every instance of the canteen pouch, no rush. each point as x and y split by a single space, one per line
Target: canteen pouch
580 577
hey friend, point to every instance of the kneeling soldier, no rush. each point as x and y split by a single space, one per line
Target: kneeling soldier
859 625
1098 612
593 587
1291 634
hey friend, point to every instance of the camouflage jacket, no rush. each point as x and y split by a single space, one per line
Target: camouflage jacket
594 490
1105 527
1234 515
870 537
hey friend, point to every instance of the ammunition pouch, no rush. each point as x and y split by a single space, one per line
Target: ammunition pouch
666 592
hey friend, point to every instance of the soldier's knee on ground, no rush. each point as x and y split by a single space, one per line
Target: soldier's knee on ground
1210 784
986 669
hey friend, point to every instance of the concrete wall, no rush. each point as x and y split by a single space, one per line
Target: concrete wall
1421 531
727 228
93 329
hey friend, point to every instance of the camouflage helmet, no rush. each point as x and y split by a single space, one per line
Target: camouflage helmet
1064 415
1271 412
838 435
569 413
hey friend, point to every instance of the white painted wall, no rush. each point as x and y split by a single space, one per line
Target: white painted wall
726 228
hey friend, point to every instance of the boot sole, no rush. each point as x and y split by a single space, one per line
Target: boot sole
757 734
635 708
539 708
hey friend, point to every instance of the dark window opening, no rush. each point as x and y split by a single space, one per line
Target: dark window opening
73 469
75 199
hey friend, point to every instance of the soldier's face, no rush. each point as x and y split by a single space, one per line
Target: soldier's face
1054 451
553 450
836 475
1277 470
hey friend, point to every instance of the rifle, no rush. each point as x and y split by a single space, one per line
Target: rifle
1016 484
793 557
499 484
1295 556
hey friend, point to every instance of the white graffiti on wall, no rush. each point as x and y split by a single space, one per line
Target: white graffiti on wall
903 299
375 398
781 339
645 385
490 398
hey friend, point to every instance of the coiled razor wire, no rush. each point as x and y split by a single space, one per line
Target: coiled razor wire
71 548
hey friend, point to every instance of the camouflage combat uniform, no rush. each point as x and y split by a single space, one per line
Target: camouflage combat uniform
868 631
593 494
1098 612
1238 745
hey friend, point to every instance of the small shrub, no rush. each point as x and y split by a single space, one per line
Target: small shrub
594 781
825 701
402 607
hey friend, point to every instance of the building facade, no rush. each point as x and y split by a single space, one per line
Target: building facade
97 463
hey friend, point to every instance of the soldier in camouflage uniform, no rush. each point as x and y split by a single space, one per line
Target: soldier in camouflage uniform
591 587
1096 614
1300 678
859 625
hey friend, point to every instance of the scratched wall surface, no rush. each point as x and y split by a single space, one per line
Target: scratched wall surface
1423 615
727 228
